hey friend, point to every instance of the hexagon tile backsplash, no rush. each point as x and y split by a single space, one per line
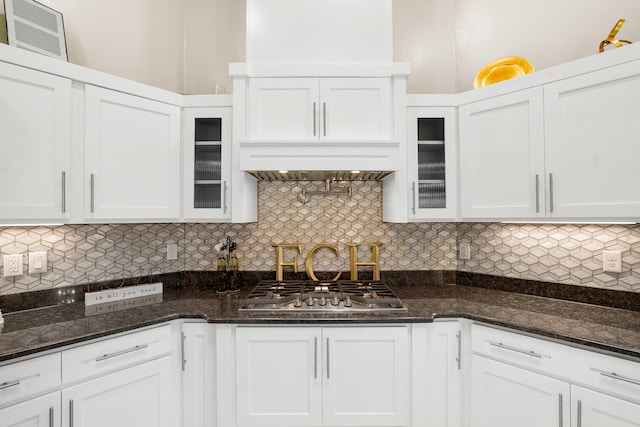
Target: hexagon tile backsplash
569 254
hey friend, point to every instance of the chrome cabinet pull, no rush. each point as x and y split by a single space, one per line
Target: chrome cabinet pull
413 197
560 421
9 384
224 196
328 366
51 417
71 413
615 376
324 119
184 361
537 193
314 119
579 417
93 186
550 192
64 192
315 357
459 359
121 352
517 350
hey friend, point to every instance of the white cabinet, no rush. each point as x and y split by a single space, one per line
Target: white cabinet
355 376
437 374
198 375
504 396
124 381
132 158
432 163
591 143
502 171
35 150
560 151
207 164
593 409
43 411
319 108
141 396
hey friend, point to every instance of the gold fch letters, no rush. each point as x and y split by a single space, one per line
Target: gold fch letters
354 262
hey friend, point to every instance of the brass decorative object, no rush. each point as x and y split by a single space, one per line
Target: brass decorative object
280 263
354 263
309 260
611 38
501 69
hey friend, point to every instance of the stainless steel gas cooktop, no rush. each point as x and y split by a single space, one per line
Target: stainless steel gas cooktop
318 296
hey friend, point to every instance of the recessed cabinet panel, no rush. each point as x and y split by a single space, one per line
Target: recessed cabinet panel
502 157
35 148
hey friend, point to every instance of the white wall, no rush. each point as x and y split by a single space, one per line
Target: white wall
186 45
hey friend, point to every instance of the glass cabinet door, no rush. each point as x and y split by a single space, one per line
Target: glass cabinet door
207 141
432 163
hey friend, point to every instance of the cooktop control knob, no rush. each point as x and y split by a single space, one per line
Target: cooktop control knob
310 302
323 301
335 300
347 301
297 302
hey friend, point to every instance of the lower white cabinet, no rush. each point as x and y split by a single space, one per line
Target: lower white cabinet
198 375
313 376
140 396
505 396
593 409
43 411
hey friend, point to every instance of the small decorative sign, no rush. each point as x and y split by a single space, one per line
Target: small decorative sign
124 293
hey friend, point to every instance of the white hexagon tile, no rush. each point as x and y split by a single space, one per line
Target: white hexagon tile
569 254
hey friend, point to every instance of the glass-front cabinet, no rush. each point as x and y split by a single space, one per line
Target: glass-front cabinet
431 135
207 142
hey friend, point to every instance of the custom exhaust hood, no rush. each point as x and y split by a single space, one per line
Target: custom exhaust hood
319 175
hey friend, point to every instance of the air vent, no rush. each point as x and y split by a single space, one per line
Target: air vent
319 175
35 27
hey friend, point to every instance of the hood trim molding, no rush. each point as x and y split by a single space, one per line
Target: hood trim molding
326 176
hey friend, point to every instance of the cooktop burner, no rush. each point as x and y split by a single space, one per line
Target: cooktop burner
319 296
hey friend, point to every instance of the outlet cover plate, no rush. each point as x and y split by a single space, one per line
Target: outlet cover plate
612 261
13 265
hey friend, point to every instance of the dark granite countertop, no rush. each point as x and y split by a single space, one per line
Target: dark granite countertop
597 327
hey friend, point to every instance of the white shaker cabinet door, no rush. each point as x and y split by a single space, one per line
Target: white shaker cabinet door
132 157
355 109
592 144
283 108
593 409
278 377
505 396
141 396
42 411
198 375
502 157
366 376
35 145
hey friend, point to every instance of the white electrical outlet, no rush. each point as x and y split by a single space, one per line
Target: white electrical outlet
172 252
464 251
12 265
612 261
37 262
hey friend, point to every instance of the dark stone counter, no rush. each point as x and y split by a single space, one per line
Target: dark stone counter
597 327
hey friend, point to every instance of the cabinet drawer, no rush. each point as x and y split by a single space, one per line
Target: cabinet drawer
29 378
116 353
533 353
606 373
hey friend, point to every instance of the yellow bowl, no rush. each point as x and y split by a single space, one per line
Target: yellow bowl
501 69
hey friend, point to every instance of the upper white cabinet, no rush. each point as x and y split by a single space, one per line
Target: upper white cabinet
432 163
132 157
560 151
207 164
319 108
502 171
311 376
35 150
592 145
